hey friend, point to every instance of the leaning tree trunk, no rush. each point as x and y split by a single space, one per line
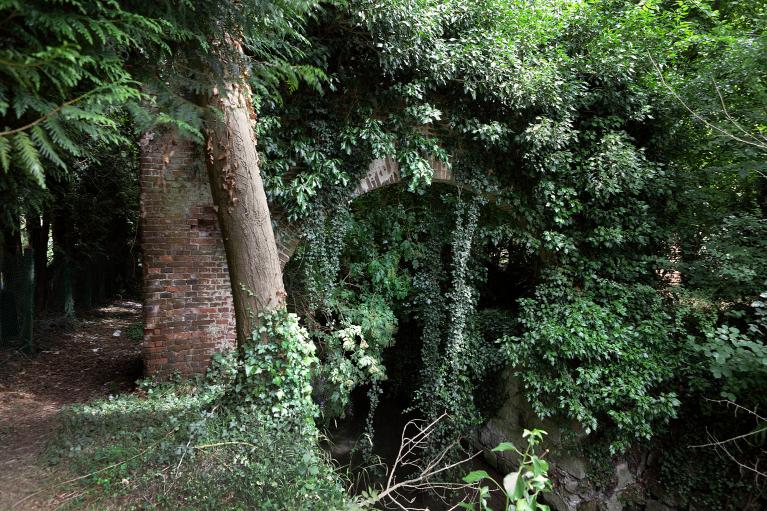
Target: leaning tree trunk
243 212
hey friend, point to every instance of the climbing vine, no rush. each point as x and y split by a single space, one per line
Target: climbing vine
268 380
452 387
564 276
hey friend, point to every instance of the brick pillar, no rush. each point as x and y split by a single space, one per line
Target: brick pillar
188 311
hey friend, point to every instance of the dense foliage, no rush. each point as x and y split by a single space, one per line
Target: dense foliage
594 149
604 237
560 152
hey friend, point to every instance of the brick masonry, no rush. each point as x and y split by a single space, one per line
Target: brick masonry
188 310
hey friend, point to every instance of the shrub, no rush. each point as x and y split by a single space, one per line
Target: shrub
603 357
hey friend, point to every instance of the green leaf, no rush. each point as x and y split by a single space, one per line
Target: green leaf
503 447
522 505
514 484
510 483
476 475
539 466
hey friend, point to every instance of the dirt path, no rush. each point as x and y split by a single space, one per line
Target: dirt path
94 358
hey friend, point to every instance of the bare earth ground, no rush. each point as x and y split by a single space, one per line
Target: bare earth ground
75 364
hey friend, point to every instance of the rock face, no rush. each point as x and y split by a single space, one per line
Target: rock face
571 474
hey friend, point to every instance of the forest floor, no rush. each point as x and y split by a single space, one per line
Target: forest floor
97 355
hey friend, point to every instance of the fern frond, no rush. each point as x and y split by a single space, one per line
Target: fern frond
5 153
59 135
184 128
70 112
46 148
29 157
21 103
141 117
3 101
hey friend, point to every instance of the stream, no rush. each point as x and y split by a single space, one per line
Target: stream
345 439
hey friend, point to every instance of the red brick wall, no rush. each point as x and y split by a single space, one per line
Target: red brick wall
188 312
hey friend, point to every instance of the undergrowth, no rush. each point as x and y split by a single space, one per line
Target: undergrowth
166 448
183 445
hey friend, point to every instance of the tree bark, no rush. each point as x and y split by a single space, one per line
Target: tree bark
243 212
38 239
11 239
10 248
61 233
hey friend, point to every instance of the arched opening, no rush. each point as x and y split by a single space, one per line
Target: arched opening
382 172
394 241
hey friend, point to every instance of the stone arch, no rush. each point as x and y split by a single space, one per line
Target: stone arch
188 310
381 172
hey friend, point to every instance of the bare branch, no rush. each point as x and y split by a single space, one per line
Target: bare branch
719 443
727 112
754 142
723 445
737 407
720 446
411 447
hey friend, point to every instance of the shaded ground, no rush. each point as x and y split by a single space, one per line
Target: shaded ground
94 357
345 438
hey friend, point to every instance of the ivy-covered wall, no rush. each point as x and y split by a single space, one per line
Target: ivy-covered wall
187 293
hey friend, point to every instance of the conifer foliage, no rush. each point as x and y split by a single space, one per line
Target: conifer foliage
64 69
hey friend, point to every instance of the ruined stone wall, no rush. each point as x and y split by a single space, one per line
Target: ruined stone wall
624 482
188 309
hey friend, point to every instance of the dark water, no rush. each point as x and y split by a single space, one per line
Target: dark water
346 440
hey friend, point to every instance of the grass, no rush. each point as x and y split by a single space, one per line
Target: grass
170 447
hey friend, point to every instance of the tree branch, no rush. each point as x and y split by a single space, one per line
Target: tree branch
49 114
755 142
